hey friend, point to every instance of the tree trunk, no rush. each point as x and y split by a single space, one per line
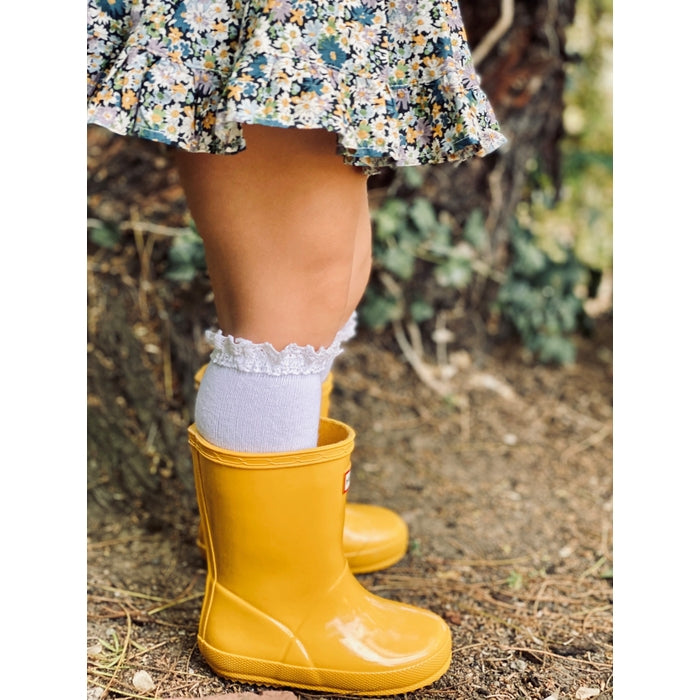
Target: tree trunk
523 76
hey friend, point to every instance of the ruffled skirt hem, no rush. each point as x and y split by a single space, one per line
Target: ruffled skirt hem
439 114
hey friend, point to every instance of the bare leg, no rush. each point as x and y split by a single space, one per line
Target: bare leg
362 259
286 232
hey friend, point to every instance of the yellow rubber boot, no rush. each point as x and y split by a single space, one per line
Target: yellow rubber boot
281 606
374 537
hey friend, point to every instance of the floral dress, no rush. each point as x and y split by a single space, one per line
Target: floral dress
393 79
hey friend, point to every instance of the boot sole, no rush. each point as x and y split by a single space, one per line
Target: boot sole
369 683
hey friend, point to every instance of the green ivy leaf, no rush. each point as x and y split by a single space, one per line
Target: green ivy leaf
455 272
556 349
423 215
390 218
376 310
421 310
474 232
183 272
413 176
105 236
187 250
400 262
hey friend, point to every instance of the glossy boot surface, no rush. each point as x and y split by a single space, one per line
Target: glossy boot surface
374 537
281 605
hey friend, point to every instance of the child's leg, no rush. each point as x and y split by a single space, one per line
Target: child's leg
286 231
280 224
286 234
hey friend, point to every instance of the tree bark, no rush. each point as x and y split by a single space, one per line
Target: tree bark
523 75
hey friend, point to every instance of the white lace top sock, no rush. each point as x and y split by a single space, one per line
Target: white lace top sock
349 329
254 398
347 332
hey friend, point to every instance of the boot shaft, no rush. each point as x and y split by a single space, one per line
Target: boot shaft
285 512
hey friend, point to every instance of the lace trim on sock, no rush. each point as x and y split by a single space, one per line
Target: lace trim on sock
349 329
263 358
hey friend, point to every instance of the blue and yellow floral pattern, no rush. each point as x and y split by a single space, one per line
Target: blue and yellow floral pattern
393 79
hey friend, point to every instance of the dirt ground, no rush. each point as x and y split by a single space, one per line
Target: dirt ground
507 492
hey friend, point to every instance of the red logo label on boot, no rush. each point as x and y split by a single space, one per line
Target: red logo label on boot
346 481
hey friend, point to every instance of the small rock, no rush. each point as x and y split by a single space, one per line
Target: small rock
94 649
585 693
443 335
143 682
566 551
519 665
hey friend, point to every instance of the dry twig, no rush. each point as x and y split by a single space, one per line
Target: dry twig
496 32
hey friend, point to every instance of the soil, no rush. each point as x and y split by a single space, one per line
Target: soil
506 488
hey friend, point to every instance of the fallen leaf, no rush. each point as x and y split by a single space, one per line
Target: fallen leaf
584 693
453 617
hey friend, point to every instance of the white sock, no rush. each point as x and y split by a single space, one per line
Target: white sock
344 334
348 330
254 398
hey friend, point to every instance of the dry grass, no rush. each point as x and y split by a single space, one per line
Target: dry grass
515 634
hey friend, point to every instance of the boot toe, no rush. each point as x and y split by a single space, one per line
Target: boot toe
365 643
374 537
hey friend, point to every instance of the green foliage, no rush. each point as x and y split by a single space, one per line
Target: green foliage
541 297
579 215
561 236
186 256
417 247
103 234
379 308
414 246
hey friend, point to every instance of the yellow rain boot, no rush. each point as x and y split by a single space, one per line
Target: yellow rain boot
374 537
281 606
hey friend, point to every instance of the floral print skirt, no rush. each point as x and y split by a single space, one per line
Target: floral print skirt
393 79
